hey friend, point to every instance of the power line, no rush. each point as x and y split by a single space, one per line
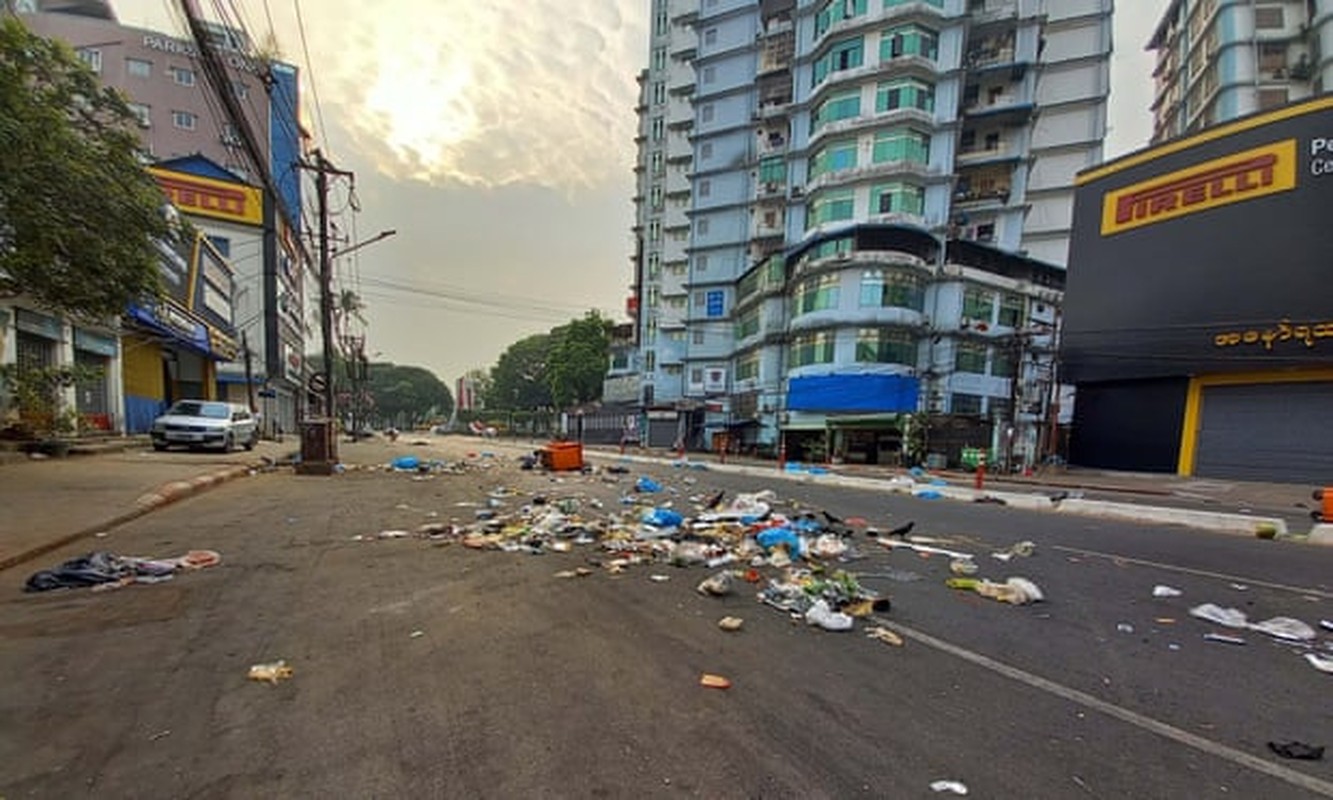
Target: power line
310 70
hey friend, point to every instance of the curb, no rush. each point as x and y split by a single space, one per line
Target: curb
147 503
1236 524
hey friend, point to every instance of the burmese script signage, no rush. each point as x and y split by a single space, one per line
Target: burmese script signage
1233 178
1282 332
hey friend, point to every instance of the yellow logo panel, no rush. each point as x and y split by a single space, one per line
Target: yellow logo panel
1231 179
192 194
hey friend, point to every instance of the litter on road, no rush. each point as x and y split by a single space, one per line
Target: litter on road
1297 750
271 673
954 787
714 681
104 570
1165 591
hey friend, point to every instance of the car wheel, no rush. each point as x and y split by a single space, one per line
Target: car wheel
227 443
251 441
159 447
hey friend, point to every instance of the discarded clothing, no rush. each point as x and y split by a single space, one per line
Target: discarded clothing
101 567
1298 750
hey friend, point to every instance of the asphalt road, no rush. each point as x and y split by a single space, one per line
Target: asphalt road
521 684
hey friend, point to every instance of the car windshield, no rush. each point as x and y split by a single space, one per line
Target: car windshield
194 408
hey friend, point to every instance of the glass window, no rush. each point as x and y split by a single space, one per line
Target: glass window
1011 310
908 40
706 113
748 324
1268 17
966 403
835 11
833 157
1002 363
812 348
184 120
901 144
978 303
845 54
747 367
142 113
970 357
138 68
658 129
816 294
840 106
773 170
904 93
881 346
898 198
182 76
892 289
831 207
654 266
90 56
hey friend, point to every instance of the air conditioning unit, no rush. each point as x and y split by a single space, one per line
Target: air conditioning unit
797 191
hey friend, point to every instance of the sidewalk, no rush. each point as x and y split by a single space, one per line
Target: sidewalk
49 503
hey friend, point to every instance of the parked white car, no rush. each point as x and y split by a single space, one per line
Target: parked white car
206 423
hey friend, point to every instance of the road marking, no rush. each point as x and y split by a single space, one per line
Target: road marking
1200 572
1208 746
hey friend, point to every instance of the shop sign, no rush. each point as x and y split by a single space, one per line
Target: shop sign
38 324
211 198
1281 332
222 345
91 342
1234 178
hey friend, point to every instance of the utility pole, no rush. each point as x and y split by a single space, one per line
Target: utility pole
323 169
249 373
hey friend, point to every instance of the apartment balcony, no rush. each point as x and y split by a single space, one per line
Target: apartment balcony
687 16
1010 107
980 199
770 190
684 50
877 15
987 155
898 116
774 144
995 11
759 232
884 169
772 109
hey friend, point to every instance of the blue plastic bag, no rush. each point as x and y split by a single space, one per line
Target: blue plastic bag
772 537
662 518
406 463
647 485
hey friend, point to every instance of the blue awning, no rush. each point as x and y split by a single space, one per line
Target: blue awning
853 393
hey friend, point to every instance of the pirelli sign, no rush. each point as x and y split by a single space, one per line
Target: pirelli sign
1234 178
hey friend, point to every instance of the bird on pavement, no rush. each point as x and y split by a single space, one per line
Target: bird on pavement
902 530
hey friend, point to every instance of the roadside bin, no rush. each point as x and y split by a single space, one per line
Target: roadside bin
563 456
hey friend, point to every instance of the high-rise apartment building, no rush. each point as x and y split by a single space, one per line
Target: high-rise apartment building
878 205
1222 59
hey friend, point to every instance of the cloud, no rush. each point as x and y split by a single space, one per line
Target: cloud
484 94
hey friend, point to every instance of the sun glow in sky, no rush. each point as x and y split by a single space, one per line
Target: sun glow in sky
498 138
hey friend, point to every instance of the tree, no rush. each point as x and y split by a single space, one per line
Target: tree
578 360
519 379
407 395
78 213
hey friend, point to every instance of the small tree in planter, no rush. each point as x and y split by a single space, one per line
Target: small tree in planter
37 410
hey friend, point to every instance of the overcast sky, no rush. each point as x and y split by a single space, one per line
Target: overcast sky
497 139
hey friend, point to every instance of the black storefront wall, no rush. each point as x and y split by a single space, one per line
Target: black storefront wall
1131 425
1240 286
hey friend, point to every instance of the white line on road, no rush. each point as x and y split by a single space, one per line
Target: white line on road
1282 587
1238 757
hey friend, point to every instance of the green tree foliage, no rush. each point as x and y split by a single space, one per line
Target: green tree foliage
578 360
406 396
520 379
78 213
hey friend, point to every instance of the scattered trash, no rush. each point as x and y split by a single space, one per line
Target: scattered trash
1165 620
1321 663
885 635
1240 587
659 578
714 681
1228 617
1021 549
1297 750
1125 627
963 566
159 735
719 585
104 570
271 673
1015 591
1223 639
1285 628
416 634
1326 624
647 485
957 787
928 494
406 463
730 623
1165 591
663 518
1265 530
824 617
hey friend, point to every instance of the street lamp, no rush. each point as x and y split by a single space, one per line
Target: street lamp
381 236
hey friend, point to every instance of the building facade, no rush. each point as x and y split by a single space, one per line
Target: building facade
182 123
1197 324
1217 60
877 190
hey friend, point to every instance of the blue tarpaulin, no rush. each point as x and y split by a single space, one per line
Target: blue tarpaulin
832 393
